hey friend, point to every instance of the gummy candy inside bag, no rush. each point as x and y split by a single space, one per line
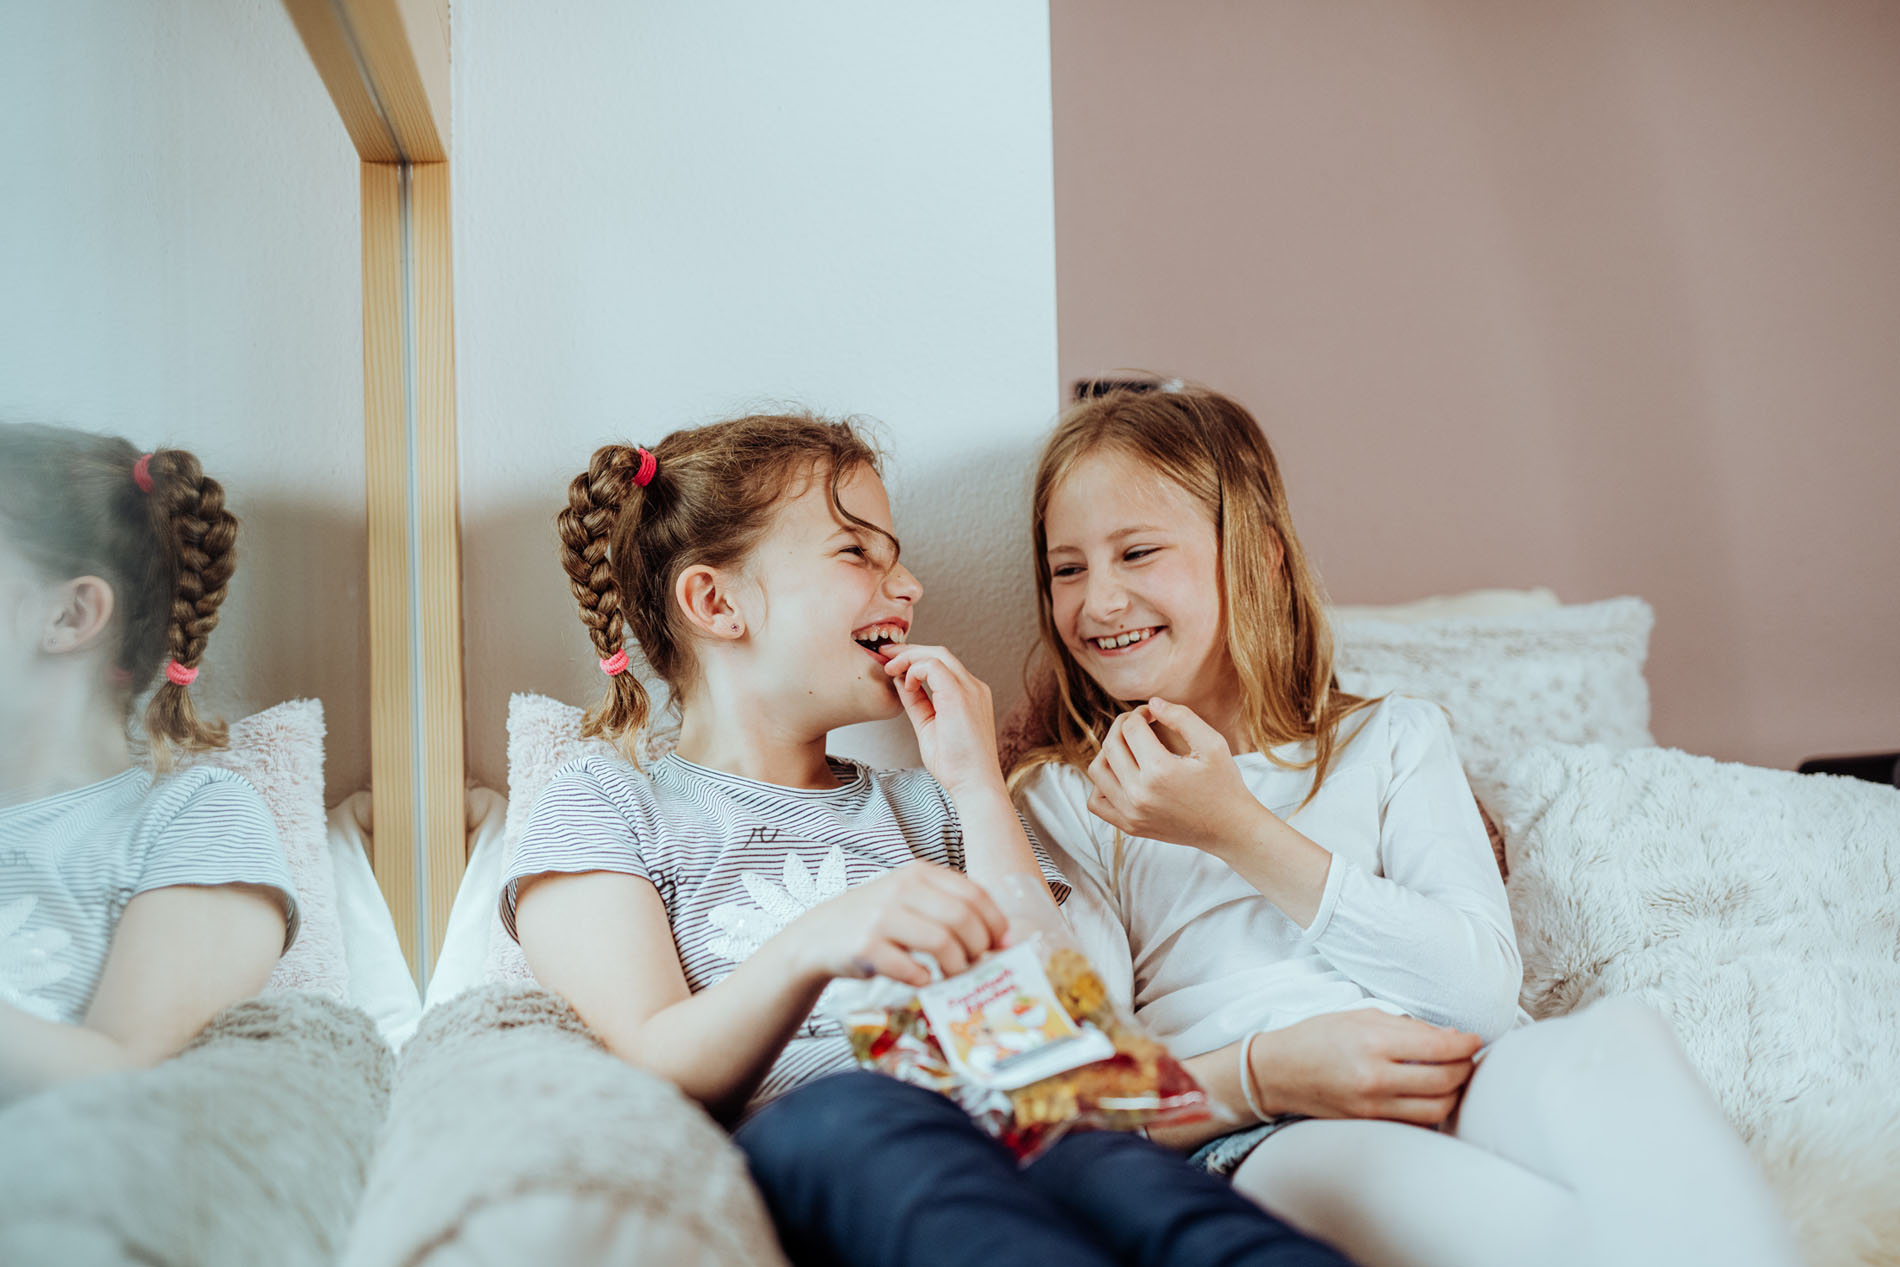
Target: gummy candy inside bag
1027 1041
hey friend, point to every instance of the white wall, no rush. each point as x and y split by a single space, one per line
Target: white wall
665 213
179 264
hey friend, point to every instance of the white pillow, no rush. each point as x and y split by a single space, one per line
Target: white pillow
1509 683
280 753
1760 911
462 963
1471 605
380 983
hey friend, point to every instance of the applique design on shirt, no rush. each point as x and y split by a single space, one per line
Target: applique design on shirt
743 929
29 960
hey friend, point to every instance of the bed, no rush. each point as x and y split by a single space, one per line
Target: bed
1754 908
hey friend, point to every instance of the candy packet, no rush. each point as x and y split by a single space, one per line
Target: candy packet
1027 1041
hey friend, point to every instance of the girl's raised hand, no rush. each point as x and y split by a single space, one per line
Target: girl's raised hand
1166 774
872 929
951 710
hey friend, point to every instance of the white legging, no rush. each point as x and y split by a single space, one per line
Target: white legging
1584 1140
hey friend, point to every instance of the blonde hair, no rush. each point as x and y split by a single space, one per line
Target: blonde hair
709 501
1274 617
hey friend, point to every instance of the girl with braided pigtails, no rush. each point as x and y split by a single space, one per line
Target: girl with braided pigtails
696 911
133 906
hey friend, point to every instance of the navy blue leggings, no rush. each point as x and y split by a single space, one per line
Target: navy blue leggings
866 1171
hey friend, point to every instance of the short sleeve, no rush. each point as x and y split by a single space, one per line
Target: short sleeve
580 823
210 827
1051 873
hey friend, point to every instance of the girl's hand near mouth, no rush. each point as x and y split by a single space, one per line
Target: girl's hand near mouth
951 710
1165 774
953 714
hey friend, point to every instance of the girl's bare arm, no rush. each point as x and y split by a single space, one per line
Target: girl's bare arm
180 955
601 939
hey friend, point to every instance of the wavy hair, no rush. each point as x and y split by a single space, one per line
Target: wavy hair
709 502
1276 630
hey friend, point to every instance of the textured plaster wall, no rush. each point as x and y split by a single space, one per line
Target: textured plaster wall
666 213
179 264
1596 294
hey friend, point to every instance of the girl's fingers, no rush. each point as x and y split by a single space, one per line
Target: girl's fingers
1186 722
912 929
1120 759
1428 1044
1421 1111
1147 748
1427 1081
1107 802
963 888
917 705
946 665
887 959
958 917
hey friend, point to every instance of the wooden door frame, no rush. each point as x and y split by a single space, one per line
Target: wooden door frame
386 66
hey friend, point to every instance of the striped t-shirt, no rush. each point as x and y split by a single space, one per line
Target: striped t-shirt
736 860
70 863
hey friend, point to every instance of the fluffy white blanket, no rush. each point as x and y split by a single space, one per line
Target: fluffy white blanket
250 1147
513 1137
1760 911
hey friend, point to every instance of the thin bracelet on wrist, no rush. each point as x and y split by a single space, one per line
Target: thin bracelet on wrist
1246 1076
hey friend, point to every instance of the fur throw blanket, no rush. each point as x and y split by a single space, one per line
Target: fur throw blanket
514 1136
1759 911
249 1147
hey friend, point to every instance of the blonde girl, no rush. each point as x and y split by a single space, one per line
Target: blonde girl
695 912
133 908
1297 884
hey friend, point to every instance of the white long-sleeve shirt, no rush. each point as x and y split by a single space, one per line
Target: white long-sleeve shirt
1413 919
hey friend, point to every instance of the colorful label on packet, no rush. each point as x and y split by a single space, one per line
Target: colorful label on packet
1002 1026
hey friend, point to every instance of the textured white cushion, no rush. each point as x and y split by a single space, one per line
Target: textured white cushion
1471 605
1760 911
280 753
1568 675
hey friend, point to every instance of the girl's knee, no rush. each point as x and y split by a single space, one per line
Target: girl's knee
1625 1028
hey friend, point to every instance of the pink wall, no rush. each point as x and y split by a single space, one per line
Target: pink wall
1603 296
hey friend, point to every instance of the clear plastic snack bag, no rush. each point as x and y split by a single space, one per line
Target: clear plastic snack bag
1027 1041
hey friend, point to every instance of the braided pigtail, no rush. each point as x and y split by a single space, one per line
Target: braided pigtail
188 509
596 500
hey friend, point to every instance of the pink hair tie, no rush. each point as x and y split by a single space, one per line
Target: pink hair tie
648 465
615 663
178 675
142 473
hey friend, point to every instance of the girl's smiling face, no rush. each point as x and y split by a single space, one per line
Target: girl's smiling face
1135 584
833 602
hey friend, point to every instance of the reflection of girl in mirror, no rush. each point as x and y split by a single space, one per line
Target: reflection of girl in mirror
676 909
132 908
1299 890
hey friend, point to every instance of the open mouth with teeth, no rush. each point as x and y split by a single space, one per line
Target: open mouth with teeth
1121 642
880 639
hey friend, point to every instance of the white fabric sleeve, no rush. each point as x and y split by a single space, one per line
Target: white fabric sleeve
1433 934
1053 804
209 828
